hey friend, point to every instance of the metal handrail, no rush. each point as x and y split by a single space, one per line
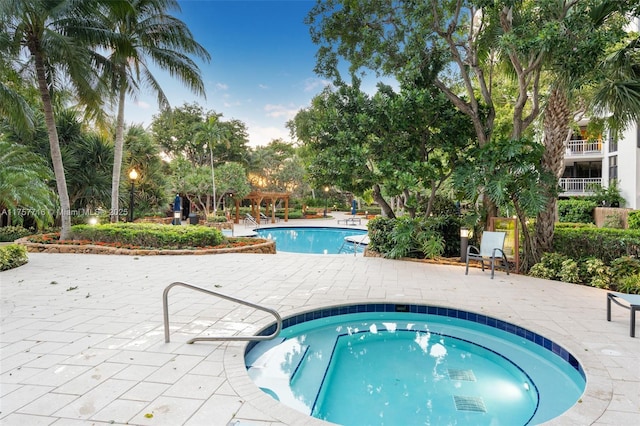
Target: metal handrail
251 220
165 308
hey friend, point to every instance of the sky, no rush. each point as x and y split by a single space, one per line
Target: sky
261 69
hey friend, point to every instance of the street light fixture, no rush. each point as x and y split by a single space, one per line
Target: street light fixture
133 175
326 200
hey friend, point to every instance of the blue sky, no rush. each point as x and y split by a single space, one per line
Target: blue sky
261 69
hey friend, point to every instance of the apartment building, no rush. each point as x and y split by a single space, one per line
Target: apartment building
592 162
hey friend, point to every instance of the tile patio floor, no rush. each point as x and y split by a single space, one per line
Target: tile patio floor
81 336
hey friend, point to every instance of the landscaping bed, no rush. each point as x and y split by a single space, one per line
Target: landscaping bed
145 239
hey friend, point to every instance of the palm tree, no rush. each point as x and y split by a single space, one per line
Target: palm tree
58 35
23 184
619 92
144 29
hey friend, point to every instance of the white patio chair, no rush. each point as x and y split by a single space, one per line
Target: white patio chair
491 250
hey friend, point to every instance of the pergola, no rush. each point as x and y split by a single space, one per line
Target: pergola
271 198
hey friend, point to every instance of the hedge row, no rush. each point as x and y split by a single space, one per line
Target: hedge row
12 256
576 210
149 235
603 243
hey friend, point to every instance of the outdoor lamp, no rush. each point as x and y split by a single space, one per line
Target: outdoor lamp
326 200
133 175
464 243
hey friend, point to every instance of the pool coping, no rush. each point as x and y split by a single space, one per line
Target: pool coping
589 407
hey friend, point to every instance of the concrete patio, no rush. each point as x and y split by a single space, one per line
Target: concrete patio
82 335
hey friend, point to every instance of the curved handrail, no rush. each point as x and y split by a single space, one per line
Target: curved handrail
165 309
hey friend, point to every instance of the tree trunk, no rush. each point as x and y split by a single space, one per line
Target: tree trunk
118 148
54 146
530 255
378 198
557 117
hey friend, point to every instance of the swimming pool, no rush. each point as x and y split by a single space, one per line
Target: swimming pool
414 364
314 240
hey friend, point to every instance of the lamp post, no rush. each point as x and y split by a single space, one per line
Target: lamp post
326 200
133 175
464 243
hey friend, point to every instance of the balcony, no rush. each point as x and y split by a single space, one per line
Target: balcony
584 149
579 186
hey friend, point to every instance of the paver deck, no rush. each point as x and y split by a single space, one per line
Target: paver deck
81 338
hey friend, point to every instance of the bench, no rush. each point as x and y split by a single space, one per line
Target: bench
350 221
634 306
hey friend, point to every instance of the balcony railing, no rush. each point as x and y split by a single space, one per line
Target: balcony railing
580 186
581 147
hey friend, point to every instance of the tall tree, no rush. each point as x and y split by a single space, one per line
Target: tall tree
58 35
145 33
179 132
590 31
406 143
143 154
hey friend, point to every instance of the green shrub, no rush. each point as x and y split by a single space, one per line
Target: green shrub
569 272
380 239
597 273
549 267
149 235
574 225
412 238
405 237
9 234
576 210
629 284
624 266
216 219
449 228
293 214
12 256
603 243
633 219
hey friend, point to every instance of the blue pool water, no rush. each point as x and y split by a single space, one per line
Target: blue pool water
312 240
403 368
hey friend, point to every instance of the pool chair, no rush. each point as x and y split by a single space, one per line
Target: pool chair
491 250
633 301
267 218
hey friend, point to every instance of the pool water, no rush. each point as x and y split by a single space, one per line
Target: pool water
398 368
312 240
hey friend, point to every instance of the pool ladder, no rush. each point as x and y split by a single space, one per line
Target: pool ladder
165 309
348 244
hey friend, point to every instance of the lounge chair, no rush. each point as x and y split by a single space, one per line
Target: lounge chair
634 306
267 218
491 250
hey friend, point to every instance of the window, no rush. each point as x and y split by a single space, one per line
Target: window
613 168
613 143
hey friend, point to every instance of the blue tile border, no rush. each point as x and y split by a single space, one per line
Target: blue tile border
431 310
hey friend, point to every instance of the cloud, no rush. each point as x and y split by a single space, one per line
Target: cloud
142 104
222 86
261 136
315 84
278 111
227 104
263 86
